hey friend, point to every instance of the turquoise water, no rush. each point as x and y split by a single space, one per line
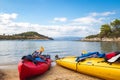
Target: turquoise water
11 51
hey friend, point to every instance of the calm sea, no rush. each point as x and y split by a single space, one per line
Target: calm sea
11 51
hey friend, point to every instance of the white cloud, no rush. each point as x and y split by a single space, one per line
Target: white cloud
82 26
102 14
62 19
108 13
85 20
93 18
6 18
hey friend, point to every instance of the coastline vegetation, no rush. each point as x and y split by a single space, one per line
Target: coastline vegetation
25 35
111 30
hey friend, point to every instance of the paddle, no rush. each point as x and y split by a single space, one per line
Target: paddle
113 59
41 49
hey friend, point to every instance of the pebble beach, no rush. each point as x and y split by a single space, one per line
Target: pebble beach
56 72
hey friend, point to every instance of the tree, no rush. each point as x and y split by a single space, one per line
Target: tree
105 31
115 25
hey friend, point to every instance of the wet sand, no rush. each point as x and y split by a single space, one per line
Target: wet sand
56 72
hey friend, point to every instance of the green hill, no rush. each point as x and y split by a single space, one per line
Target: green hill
25 35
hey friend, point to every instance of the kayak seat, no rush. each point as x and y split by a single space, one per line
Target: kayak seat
29 58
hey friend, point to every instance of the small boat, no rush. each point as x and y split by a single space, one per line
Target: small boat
92 66
28 69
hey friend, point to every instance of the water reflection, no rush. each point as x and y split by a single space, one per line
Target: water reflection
110 46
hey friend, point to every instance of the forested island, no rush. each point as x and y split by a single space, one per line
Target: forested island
108 32
25 36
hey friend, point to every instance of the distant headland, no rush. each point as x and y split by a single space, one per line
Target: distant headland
25 36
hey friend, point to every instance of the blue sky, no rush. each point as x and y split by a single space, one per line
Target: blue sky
57 18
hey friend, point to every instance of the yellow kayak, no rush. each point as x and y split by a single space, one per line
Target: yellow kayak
92 66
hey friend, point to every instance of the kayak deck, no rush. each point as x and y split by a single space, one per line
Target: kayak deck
92 66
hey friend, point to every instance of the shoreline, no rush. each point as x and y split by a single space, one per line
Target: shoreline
56 72
101 39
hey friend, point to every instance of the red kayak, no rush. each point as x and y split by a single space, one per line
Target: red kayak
28 69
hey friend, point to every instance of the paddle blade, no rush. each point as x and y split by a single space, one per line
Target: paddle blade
41 49
84 52
113 59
